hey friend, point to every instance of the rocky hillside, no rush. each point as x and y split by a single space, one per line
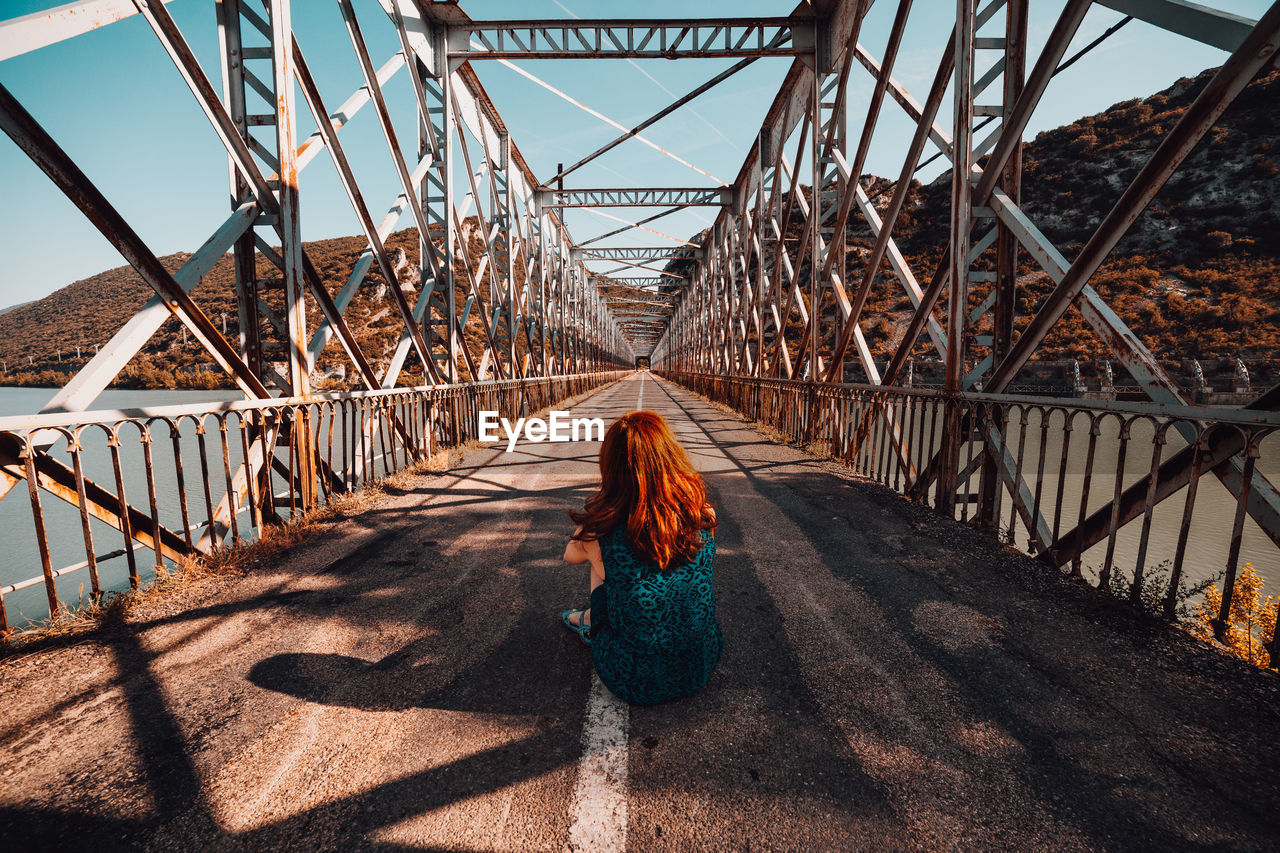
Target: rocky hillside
1198 275
39 341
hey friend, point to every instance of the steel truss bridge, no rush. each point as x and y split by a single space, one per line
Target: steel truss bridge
761 315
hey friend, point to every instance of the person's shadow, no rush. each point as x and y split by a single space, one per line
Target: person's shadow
526 671
498 684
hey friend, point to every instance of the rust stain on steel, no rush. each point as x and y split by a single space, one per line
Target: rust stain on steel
60 481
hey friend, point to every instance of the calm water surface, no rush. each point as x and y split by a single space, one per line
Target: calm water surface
19 557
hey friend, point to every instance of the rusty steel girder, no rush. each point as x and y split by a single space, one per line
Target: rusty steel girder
769 303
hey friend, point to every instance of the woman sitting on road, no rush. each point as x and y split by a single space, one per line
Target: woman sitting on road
648 534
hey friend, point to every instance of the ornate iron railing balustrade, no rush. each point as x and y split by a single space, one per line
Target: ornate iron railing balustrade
189 462
1058 452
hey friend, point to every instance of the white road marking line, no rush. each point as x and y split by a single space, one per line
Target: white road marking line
600 795
640 396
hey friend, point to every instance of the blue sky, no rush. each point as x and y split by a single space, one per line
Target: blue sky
113 99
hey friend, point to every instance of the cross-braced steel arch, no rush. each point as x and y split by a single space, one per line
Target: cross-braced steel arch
520 311
768 306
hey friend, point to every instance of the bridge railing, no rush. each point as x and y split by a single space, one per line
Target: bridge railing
1085 483
188 461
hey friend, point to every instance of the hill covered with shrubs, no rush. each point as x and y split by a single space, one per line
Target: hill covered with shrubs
38 341
1196 277
1198 273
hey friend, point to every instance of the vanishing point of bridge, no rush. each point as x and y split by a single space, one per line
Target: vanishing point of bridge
893 679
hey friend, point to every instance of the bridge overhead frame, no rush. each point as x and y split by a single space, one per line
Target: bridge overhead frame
683 38
760 304
770 307
641 253
535 309
637 197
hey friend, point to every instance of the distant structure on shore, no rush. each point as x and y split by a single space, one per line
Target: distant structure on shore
1217 382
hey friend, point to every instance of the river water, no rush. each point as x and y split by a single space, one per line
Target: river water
1207 544
19 557
1212 521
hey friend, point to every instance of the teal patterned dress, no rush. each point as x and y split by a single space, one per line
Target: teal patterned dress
655 636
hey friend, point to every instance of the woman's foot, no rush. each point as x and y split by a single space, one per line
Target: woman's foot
579 622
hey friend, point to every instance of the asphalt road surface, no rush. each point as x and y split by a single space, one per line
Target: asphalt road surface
890 681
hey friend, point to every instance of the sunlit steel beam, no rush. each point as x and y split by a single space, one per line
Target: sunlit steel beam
1214 27
636 197
631 39
26 33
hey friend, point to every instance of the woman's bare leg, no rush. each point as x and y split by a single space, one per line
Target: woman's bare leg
597 578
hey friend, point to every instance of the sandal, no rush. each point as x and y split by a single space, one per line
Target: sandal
582 630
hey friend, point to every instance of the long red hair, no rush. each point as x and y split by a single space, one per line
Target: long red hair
648 484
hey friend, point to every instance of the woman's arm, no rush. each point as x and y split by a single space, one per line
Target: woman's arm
575 553
586 551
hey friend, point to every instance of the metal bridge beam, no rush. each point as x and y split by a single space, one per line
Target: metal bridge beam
642 197
39 29
678 38
1214 27
642 253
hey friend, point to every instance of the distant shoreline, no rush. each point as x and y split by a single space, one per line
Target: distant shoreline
158 380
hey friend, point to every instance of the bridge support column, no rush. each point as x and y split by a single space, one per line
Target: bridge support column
246 278
502 300
559 291
276 157
541 237
764 181
829 185
961 223
440 325
244 253
1003 307
578 304
290 230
